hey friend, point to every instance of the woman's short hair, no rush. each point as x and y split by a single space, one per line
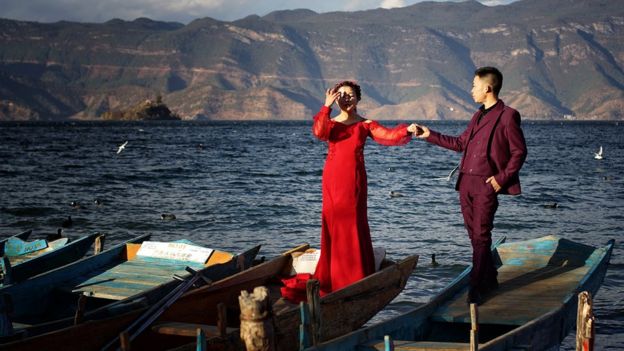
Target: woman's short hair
347 83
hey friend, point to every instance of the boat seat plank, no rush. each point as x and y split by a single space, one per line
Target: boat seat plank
407 345
127 278
188 329
524 293
160 270
111 293
114 283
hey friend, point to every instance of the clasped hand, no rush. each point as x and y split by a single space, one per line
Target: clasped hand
418 130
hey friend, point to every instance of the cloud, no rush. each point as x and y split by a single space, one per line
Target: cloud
388 4
496 2
179 10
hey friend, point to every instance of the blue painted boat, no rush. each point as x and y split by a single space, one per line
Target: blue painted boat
24 259
23 235
343 310
533 309
115 281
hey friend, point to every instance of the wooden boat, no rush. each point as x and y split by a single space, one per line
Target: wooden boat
114 281
342 311
24 259
534 307
23 235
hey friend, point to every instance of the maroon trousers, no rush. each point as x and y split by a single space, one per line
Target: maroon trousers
479 203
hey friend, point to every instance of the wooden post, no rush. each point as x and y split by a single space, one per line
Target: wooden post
256 328
222 321
388 344
124 341
240 263
201 340
314 304
585 330
474 327
304 331
99 244
82 301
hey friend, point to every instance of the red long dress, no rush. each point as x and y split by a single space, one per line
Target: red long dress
346 248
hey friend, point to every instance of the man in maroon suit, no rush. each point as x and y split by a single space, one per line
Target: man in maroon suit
494 151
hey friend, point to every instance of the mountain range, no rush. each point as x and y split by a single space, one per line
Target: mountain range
561 59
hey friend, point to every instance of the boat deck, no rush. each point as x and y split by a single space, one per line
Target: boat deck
524 294
52 246
128 278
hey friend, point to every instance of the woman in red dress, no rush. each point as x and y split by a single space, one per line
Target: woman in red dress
346 248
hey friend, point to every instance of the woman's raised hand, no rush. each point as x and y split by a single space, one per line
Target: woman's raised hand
331 97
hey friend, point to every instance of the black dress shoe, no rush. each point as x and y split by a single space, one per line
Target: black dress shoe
474 296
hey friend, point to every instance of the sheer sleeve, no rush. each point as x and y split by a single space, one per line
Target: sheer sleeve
322 124
389 136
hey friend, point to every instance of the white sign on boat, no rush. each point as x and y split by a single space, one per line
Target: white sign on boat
174 251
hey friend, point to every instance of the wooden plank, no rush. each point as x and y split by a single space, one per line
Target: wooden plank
188 329
152 271
126 278
407 345
107 292
149 274
114 284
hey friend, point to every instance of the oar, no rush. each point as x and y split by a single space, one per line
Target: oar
154 312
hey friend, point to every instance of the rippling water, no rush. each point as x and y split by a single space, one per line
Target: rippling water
232 185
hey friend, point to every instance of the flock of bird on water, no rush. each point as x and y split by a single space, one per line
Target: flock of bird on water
67 223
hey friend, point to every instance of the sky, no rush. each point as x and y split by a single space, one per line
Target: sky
182 11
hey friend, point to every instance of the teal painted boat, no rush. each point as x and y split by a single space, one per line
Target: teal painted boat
534 307
23 235
343 311
24 259
115 281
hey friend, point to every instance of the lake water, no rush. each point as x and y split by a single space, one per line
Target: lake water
232 185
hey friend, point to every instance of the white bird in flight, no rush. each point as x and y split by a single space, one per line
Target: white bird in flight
598 156
448 178
122 147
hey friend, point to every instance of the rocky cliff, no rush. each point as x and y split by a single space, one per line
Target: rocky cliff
560 58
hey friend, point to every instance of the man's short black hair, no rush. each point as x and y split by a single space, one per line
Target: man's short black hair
492 76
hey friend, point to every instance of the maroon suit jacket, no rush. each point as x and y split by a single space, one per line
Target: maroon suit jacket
502 145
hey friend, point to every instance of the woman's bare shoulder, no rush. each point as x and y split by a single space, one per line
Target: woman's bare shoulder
365 120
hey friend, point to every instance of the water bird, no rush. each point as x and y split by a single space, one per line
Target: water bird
598 155
67 223
167 216
395 194
97 202
391 169
75 204
551 205
448 177
122 147
433 261
58 235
